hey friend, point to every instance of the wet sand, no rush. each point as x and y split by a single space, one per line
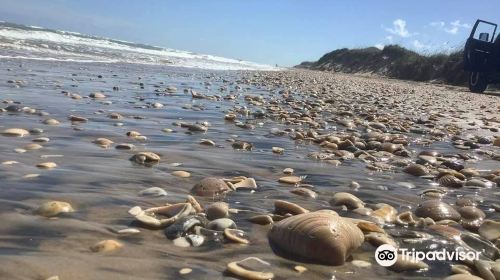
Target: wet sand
102 184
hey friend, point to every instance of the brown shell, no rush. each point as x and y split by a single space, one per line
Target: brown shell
210 186
450 181
437 210
322 236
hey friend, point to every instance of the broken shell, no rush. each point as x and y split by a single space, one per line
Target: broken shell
349 200
217 210
240 269
437 210
322 236
247 183
54 208
210 186
406 219
173 213
235 235
386 212
106 246
196 205
284 207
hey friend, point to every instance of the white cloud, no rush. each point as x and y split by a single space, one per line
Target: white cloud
451 28
420 46
379 46
389 38
399 28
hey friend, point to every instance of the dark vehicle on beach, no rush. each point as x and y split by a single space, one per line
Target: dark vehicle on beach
482 56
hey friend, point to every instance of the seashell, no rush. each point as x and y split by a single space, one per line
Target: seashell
54 208
103 142
46 165
376 239
474 242
241 145
221 224
145 158
386 212
15 132
97 95
322 236
261 219
446 231
486 269
363 211
196 205
210 186
153 191
217 210
389 147
288 171
300 269
207 142
278 150
172 212
349 200
125 146
478 183
246 183
290 180
185 225
51 122
235 235
305 192
407 264
41 140
367 227
248 270
490 230
472 217
461 269
181 174
437 210
282 207
33 146
470 172
77 119
462 277
185 270
450 181
416 169
195 240
106 246
406 219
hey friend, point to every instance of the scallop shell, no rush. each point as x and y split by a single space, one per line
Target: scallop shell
437 210
322 236
450 181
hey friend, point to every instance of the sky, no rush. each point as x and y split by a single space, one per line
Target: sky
283 32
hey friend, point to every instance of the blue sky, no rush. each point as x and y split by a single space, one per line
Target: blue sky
284 32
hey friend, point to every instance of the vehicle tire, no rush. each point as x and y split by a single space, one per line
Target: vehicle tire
477 82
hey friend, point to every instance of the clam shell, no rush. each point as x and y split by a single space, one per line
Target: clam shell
305 192
349 200
322 236
284 207
437 210
416 169
450 181
490 230
15 132
386 212
261 219
238 268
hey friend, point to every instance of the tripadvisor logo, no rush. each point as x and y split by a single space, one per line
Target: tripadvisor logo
387 255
